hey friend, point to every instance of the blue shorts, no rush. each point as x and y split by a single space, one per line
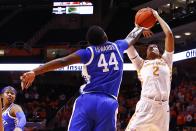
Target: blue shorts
94 112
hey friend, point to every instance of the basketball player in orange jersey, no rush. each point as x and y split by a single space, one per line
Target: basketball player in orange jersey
152 110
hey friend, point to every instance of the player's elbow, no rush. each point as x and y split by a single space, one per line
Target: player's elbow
25 120
169 34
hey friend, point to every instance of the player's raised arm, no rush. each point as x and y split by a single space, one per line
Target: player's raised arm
132 52
132 38
28 77
134 57
169 39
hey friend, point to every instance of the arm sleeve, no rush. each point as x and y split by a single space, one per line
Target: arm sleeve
84 55
21 120
168 57
122 45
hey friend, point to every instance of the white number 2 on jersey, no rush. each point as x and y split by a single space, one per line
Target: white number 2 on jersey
112 61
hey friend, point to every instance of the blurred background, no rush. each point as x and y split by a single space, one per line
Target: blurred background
37 31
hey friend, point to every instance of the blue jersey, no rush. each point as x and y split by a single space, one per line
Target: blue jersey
103 67
9 121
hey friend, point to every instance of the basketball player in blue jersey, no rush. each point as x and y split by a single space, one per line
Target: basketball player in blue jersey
96 108
12 114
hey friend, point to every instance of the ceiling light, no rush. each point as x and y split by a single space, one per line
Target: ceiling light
168 4
187 33
176 7
53 52
177 36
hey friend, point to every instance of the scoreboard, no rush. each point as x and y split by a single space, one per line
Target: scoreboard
82 8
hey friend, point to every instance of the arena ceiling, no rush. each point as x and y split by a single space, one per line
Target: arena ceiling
31 21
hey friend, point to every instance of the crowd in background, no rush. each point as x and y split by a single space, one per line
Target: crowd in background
49 107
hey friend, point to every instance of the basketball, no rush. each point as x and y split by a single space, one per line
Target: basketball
145 18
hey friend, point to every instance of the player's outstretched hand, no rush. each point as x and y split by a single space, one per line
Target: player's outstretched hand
27 79
147 33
